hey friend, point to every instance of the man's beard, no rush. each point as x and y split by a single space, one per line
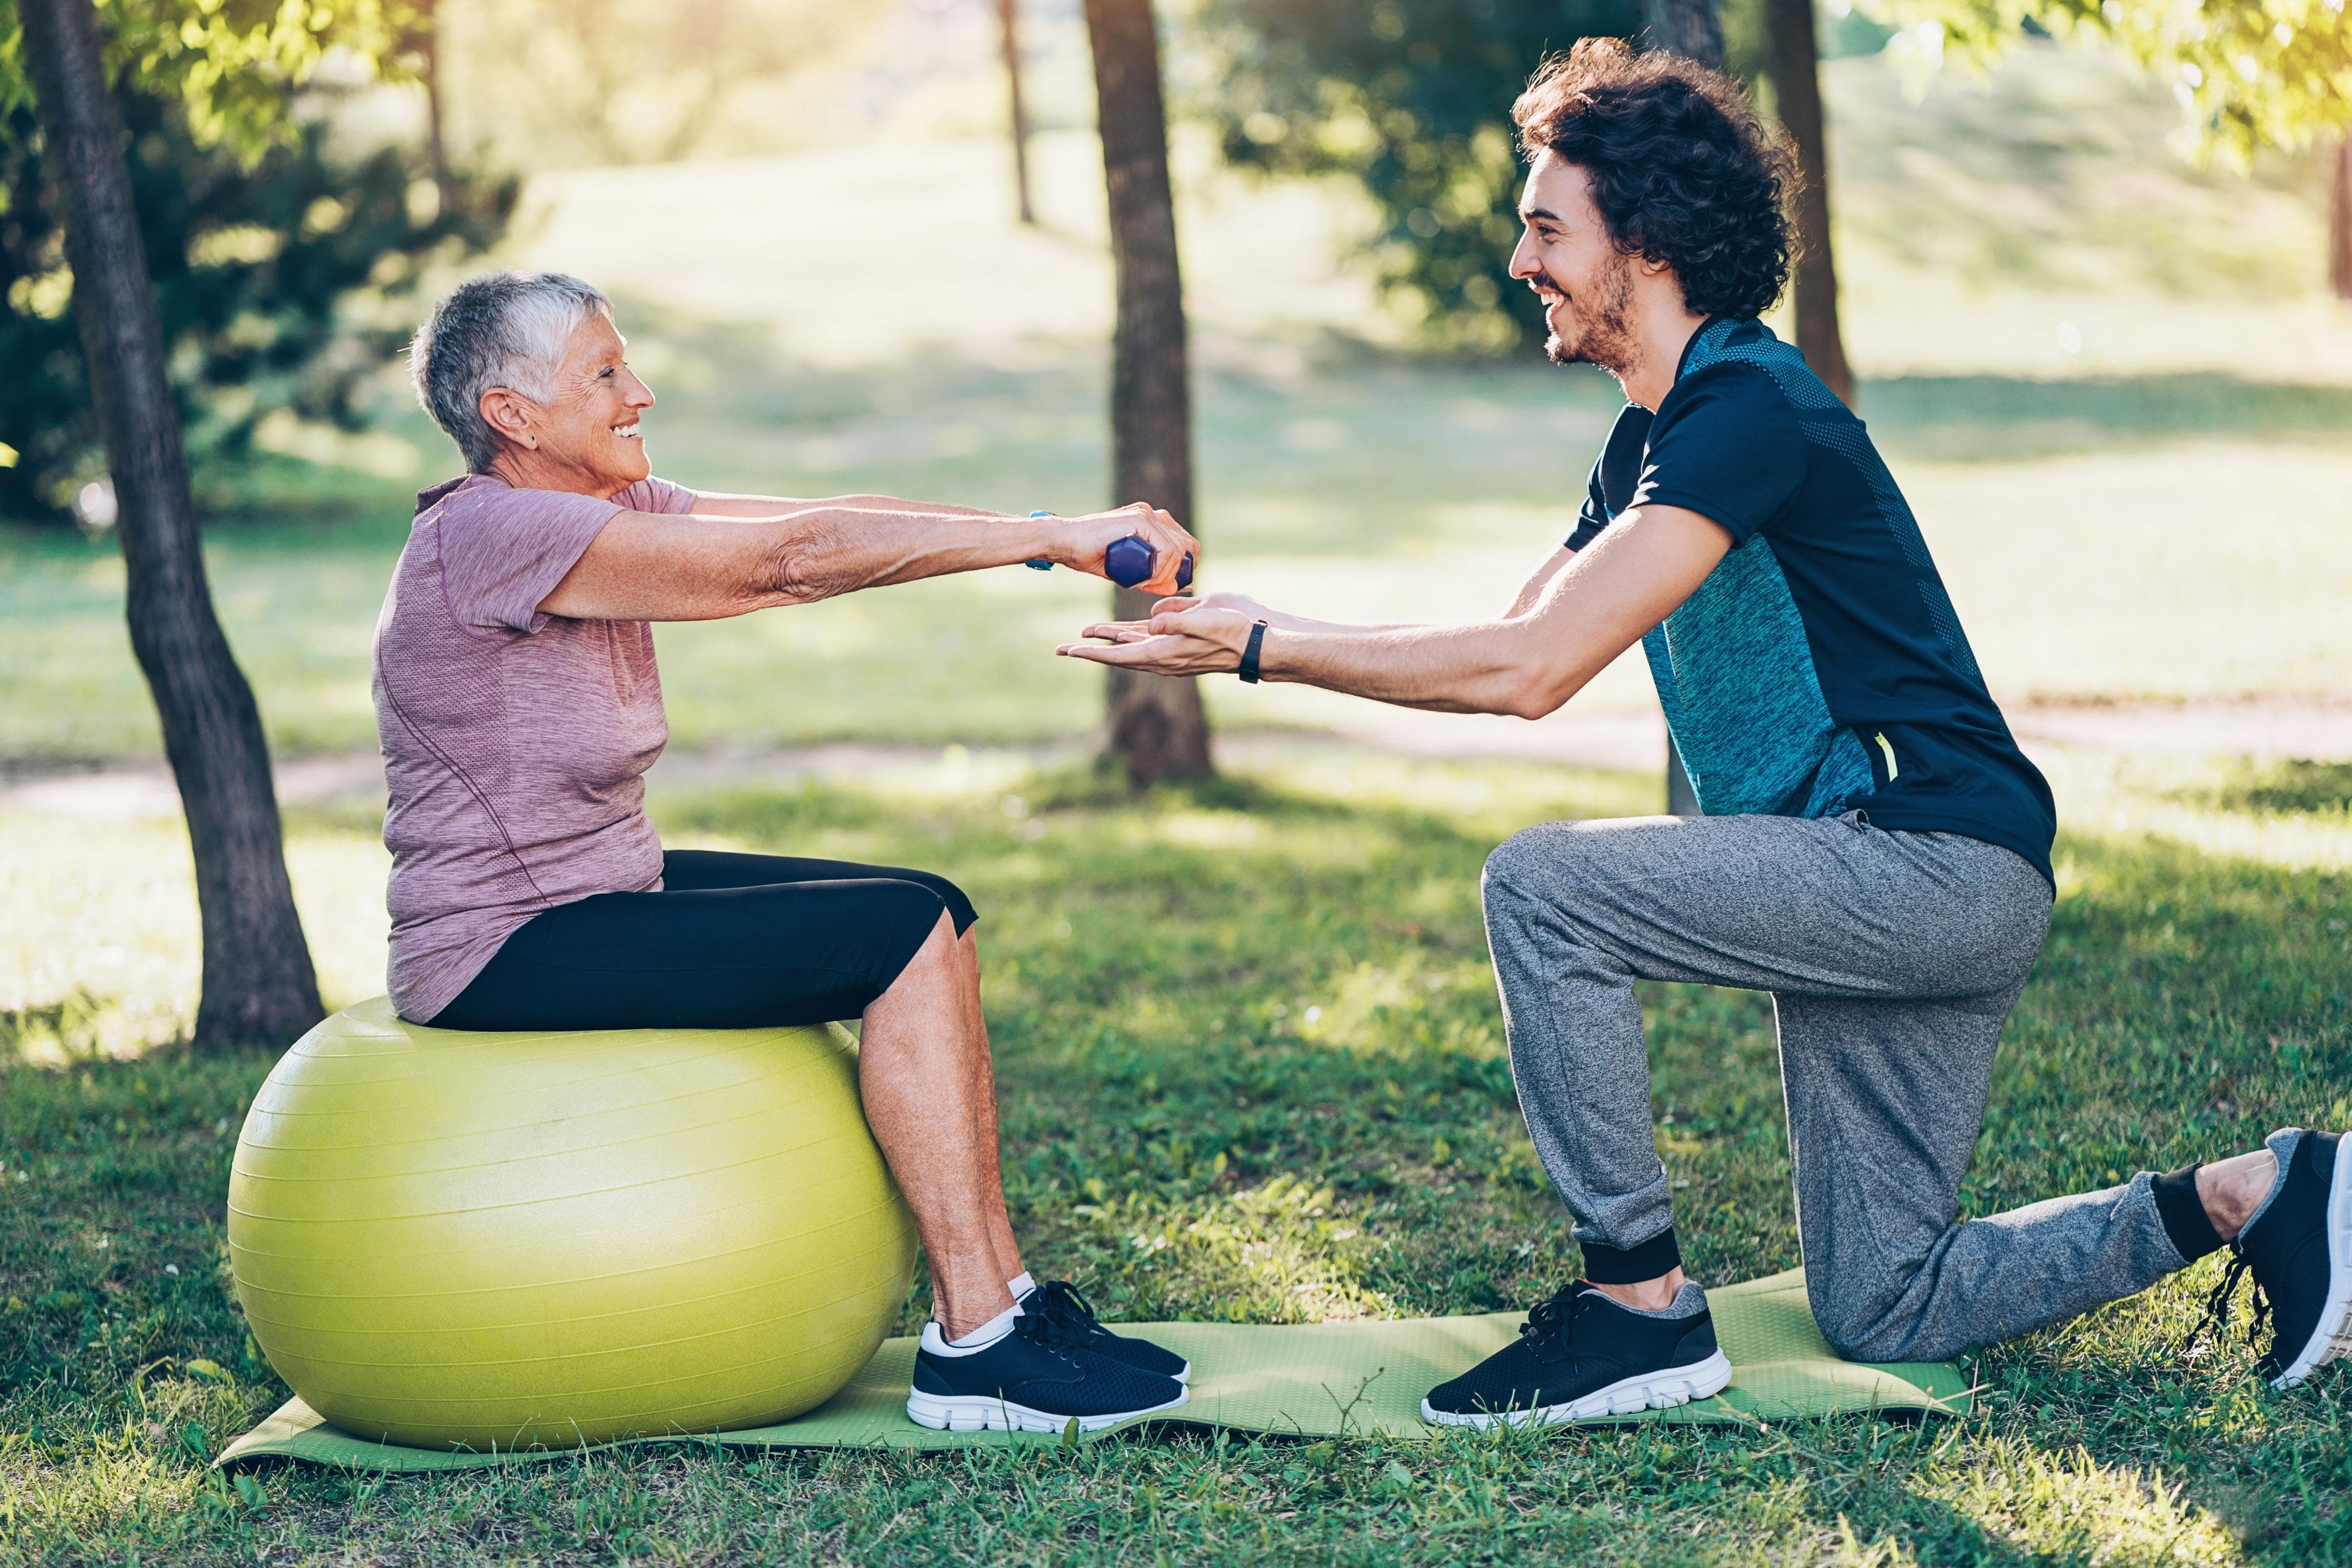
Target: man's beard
1606 335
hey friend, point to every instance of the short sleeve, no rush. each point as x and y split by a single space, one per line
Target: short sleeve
1592 516
657 495
1609 489
504 550
1728 445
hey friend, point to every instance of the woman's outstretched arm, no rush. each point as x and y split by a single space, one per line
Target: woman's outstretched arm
711 504
656 566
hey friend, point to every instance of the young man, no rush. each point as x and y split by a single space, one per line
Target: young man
1876 851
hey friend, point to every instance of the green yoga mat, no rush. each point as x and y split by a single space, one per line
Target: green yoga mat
1311 1380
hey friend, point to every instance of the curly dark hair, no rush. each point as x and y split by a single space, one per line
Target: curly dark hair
1683 170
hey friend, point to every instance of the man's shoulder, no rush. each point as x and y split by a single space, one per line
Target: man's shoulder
1746 359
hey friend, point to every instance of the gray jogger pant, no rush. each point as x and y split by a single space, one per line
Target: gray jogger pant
1893 960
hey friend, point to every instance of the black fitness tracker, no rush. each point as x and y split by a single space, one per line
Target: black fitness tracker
1249 655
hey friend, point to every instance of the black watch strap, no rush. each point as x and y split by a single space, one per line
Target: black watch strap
1249 655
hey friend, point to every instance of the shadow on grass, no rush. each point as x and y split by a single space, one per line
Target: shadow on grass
2280 786
1992 418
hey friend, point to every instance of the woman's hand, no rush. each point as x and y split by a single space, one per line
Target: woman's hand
1183 636
1081 542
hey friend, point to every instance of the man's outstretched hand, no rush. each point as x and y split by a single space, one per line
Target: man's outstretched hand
1183 636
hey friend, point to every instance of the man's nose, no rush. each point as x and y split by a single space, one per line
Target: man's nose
1523 261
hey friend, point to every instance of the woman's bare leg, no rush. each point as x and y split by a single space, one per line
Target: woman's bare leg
983 1069
926 1103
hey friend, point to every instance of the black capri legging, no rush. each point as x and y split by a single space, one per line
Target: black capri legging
731 942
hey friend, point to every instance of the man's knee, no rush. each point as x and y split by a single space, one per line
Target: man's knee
1538 856
1864 1319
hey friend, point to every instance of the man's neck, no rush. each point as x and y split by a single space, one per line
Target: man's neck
1660 336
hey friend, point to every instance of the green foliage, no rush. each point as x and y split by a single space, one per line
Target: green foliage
231 62
2249 74
270 274
1411 98
1250 1068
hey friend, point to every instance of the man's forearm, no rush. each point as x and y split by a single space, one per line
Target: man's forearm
1474 667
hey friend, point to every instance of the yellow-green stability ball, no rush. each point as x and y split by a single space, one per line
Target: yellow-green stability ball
446 1238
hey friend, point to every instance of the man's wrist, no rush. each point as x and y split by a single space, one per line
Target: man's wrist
1251 669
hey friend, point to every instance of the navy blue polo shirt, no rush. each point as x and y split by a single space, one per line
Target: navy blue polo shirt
1819 668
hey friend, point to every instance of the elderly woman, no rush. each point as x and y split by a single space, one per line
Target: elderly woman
518 707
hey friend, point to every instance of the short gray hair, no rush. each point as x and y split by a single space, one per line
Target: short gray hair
501 329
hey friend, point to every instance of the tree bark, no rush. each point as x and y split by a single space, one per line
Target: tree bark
258 986
428 39
2339 220
1797 79
1016 116
1157 726
1691 29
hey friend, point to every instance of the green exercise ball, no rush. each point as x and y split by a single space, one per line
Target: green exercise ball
446 1239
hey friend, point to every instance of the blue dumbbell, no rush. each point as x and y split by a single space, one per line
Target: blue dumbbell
1126 563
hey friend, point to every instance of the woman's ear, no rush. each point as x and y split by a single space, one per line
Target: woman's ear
511 416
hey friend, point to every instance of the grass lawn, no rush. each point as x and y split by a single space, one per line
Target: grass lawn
1250 1068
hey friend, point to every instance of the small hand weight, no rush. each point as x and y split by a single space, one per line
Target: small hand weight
1128 561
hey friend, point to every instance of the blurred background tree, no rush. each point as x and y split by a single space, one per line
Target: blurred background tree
551 84
1413 99
275 277
2248 74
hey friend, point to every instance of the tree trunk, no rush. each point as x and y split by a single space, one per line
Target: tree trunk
428 39
1797 79
258 987
1156 727
1691 29
1017 117
2339 220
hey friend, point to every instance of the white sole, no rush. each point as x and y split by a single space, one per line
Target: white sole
2332 1336
985 1413
1649 1391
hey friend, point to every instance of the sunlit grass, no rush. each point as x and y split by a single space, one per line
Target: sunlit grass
1251 1070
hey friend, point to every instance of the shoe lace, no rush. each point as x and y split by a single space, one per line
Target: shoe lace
1051 1330
1061 1301
1548 1325
2221 1299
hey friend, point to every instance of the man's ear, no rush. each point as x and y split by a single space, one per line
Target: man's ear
511 415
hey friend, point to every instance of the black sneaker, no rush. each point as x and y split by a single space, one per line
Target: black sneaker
1060 1300
1039 1378
1580 1355
2299 1250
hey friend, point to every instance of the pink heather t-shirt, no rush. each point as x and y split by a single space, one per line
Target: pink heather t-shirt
515 742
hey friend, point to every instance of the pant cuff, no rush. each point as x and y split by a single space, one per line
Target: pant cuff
1633 1265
